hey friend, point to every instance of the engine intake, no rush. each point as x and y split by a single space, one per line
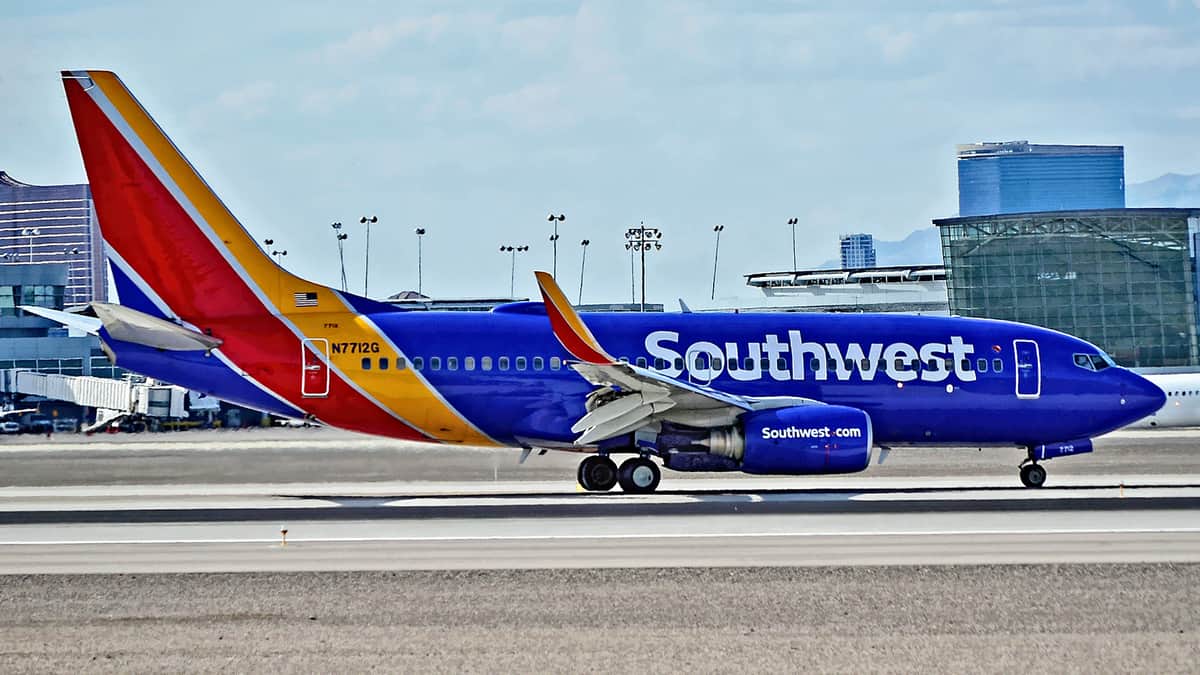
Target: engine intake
797 440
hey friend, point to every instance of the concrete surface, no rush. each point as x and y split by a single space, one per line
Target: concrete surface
986 619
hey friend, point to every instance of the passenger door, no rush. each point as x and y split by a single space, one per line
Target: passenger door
314 374
1029 369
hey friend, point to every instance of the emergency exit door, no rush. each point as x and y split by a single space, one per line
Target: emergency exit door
314 374
1029 369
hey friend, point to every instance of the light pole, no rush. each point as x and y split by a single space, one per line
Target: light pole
641 239
555 220
716 252
582 265
420 235
276 255
512 274
367 267
30 232
341 237
792 222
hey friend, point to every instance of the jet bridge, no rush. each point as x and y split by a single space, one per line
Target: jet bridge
113 399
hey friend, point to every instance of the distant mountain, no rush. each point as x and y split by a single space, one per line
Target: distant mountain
920 247
1169 190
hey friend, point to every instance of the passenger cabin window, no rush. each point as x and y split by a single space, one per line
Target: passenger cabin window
451 363
678 363
502 363
998 365
435 363
981 365
418 363
383 363
400 364
641 362
555 363
468 363
538 363
366 363
521 363
660 364
485 363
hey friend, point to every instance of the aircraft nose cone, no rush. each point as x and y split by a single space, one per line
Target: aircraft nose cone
1141 396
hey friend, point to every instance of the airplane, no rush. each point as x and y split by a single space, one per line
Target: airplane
1182 408
203 306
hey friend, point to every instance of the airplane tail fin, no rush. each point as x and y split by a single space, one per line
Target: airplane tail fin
167 234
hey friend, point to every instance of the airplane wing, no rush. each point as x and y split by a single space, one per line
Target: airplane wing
629 397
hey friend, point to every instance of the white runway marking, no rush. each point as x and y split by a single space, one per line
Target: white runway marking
602 537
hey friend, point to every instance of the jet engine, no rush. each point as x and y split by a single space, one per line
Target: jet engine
797 440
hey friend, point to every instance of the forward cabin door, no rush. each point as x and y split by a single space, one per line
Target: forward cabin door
1029 369
314 374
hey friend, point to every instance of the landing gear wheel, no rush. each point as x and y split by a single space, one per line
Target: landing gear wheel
597 474
1033 475
639 475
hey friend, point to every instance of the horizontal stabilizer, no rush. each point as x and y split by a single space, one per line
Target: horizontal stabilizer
80 322
130 325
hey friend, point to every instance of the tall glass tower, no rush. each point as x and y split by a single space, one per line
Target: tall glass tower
1019 177
858 251
54 224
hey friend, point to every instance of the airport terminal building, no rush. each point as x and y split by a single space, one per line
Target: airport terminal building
1123 279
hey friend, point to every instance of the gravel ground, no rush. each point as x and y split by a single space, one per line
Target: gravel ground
1060 619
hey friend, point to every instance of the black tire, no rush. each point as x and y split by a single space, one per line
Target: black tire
597 474
1033 476
639 475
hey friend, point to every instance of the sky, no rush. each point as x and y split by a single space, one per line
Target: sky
476 120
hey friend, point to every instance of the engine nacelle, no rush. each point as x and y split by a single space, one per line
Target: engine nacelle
798 440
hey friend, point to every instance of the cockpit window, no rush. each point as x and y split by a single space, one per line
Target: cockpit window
1096 362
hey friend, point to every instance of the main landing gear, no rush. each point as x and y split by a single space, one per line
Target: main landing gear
637 475
1033 475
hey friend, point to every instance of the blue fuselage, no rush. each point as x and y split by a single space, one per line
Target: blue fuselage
922 380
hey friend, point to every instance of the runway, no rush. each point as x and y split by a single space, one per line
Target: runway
130 504
716 522
167 553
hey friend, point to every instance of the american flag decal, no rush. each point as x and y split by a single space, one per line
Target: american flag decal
308 299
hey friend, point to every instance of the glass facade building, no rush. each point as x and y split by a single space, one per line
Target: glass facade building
42 224
1123 279
858 251
1019 177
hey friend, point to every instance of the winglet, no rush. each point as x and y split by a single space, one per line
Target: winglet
570 330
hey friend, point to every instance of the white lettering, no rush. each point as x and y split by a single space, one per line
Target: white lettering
705 361
740 372
933 356
656 350
905 354
774 349
770 434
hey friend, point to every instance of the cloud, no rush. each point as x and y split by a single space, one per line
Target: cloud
894 45
249 100
370 42
322 101
536 107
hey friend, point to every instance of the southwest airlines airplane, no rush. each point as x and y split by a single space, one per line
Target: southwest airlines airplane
203 306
